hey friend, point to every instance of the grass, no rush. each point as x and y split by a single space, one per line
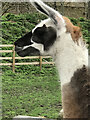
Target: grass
30 91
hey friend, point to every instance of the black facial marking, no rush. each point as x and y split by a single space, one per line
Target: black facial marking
40 8
30 51
24 41
44 35
41 35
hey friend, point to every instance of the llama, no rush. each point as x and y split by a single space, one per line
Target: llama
58 37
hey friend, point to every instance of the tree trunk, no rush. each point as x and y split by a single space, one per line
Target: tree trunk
55 6
89 10
62 8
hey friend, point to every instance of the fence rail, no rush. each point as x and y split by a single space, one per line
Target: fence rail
24 63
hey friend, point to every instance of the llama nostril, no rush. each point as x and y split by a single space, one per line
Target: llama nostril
17 48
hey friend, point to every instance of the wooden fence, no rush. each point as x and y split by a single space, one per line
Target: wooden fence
13 58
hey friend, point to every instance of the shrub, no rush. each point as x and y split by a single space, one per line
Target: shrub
15 26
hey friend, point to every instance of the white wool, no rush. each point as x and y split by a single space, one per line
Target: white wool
68 57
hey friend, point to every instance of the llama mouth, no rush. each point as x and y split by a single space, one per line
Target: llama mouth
27 51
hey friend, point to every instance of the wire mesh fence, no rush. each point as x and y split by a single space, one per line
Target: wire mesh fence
70 9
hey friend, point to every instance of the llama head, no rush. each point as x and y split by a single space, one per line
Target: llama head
43 36
36 43
41 39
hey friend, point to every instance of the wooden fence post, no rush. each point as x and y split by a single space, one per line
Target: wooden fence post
13 64
40 62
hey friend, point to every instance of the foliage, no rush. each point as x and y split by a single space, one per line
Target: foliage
84 24
15 26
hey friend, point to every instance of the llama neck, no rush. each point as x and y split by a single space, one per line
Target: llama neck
68 58
70 64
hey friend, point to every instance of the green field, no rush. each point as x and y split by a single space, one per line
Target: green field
30 91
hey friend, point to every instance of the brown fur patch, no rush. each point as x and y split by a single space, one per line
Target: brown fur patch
74 30
76 95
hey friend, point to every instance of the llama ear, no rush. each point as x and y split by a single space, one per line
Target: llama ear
55 16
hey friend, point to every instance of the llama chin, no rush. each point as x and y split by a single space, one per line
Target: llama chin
58 37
